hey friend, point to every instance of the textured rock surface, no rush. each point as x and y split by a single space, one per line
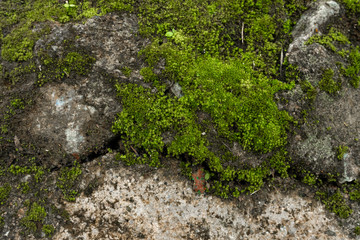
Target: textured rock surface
74 115
70 118
334 119
160 205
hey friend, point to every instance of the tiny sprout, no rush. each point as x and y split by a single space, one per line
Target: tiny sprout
67 5
170 33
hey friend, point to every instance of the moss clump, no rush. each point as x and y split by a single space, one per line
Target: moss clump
335 203
148 74
341 151
354 190
309 89
37 171
357 230
329 40
54 69
309 179
48 230
327 82
352 5
34 216
126 71
353 70
67 181
4 193
224 72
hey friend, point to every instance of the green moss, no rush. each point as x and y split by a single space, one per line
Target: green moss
24 187
352 5
18 45
126 71
327 82
19 73
280 162
353 70
36 171
148 74
17 104
329 40
341 151
357 230
309 89
354 190
229 78
48 230
73 62
4 193
310 179
34 216
335 203
67 181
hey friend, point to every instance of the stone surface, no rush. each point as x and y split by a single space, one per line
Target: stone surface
74 115
333 119
160 205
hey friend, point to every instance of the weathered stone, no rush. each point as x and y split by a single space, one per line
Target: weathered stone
74 114
334 118
130 205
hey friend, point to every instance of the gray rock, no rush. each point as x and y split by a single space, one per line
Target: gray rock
334 118
318 15
74 115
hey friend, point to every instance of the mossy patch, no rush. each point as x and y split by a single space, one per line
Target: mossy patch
329 40
353 70
327 82
309 90
224 57
4 193
61 67
67 181
335 203
341 151
48 230
34 218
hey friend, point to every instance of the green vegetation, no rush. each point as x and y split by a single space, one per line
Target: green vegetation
352 5
219 76
357 230
353 70
34 216
14 105
329 40
48 230
327 82
310 179
59 68
224 55
67 181
335 203
341 150
37 171
126 71
4 193
21 17
309 89
24 187
354 191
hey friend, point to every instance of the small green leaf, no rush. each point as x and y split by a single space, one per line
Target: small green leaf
207 176
169 34
69 5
